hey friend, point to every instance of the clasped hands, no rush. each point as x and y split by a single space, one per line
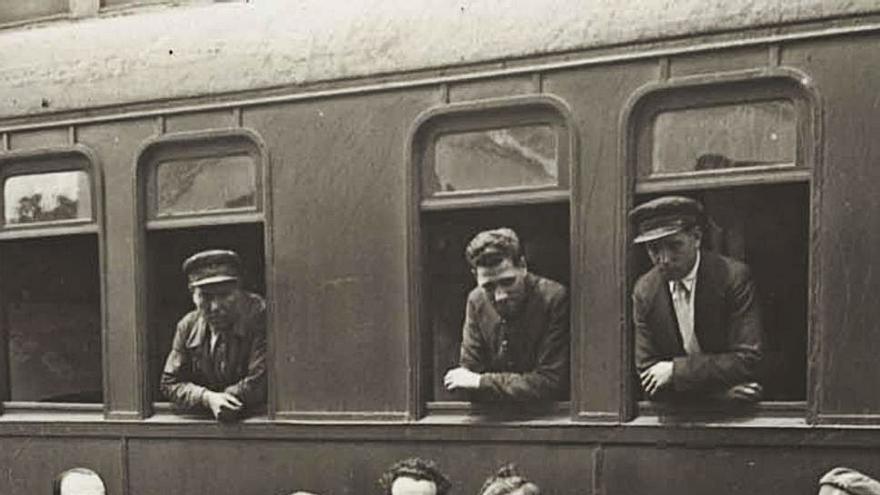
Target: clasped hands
223 405
659 376
461 378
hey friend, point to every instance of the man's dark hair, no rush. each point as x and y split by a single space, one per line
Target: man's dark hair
491 247
508 480
417 469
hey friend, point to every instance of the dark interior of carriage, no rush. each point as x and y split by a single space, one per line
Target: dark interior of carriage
51 317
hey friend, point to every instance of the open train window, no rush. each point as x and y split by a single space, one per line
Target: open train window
50 290
200 191
480 166
742 147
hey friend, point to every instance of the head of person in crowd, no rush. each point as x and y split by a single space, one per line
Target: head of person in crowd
497 261
671 229
509 481
414 476
214 279
846 481
78 481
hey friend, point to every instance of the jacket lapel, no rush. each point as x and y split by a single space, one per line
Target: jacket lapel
707 305
668 321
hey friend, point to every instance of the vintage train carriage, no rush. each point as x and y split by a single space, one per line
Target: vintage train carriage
348 151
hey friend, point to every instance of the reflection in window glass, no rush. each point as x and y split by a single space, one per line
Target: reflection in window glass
48 197
494 159
206 184
725 136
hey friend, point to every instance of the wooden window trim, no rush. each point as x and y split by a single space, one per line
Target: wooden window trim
201 144
45 160
70 159
740 87
493 114
462 117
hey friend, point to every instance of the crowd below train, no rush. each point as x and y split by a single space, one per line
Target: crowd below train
418 476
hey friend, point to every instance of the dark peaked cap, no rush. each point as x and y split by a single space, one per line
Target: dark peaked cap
665 216
212 267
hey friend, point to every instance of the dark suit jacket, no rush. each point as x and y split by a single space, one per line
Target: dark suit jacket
727 325
525 359
190 368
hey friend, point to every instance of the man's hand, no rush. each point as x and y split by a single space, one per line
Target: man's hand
457 378
657 377
744 392
223 405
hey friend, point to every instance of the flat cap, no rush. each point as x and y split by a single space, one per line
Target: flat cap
665 216
850 481
212 267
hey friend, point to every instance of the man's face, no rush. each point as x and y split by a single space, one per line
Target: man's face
217 302
675 255
405 485
504 285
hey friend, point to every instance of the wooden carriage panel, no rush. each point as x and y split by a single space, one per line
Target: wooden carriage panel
116 144
199 121
339 277
40 138
493 88
846 73
596 97
227 466
728 470
31 464
751 57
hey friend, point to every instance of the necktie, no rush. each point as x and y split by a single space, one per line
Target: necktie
218 355
681 299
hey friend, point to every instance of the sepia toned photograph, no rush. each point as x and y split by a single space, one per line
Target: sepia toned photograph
489 247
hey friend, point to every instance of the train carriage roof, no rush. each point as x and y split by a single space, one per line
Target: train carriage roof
158 52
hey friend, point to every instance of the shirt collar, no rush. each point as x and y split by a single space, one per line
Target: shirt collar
689 280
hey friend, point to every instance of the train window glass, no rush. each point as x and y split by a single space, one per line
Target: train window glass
206 184
724 136
484 166
514 157
32 9
47 197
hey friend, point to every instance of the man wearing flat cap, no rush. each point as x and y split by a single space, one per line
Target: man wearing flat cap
697 324
218 357
515 341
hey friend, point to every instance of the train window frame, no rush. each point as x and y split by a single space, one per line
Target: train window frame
200 145
212 143
486 114
74 157
705 91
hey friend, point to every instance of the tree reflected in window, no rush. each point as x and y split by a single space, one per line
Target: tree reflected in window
49 197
